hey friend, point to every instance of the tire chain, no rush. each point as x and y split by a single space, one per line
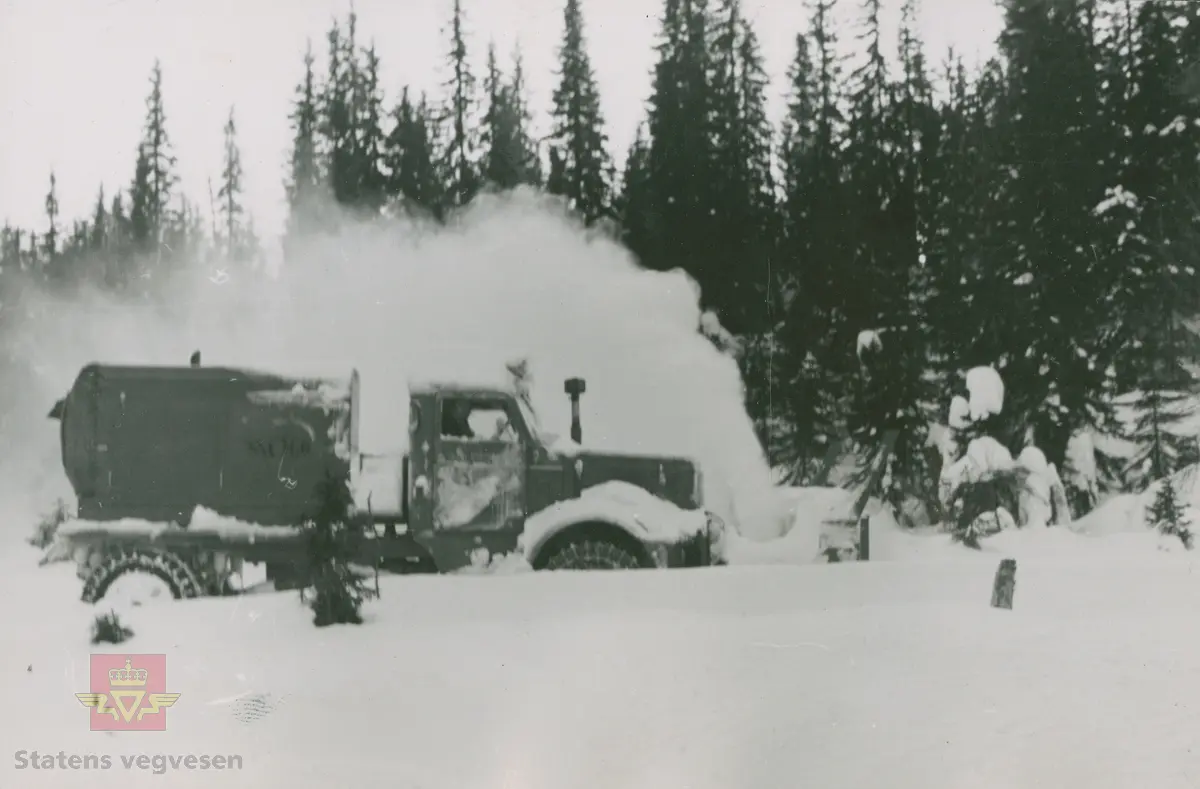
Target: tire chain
592 555
166 566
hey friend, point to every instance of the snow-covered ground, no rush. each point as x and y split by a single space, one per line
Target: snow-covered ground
890 673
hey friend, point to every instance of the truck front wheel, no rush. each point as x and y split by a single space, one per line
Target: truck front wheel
593 547
592 555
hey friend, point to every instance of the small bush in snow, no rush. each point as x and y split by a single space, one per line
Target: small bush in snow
107 629
983 507
338 589
47 528
1168 516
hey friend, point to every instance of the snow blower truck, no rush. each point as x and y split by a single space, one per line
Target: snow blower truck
190 473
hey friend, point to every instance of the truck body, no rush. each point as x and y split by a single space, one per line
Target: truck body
153 443
479 478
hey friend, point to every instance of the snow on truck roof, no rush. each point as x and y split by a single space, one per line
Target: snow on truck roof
206 373
435 387
289 380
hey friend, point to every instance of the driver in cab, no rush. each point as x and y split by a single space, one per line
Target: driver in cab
456 420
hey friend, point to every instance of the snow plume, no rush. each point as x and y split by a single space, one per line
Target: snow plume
511 278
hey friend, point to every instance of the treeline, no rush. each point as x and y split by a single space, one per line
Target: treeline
136 235
909 220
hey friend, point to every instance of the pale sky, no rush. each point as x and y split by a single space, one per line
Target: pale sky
74 76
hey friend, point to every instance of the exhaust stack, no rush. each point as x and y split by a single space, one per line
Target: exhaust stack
575 387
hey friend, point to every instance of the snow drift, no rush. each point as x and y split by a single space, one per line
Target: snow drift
512 278
893 674
1128 512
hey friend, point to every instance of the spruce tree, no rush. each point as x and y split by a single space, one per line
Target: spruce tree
525 146
1148 215
99 243
460 156
235 237
818 341
875 278
370 140
337 130
896 131
413 174
745 217
510 156
681 149
1049 306
634 204
141 198
50 240
1167 515
119 238
305 182
339 589
100 223
583 169
155 178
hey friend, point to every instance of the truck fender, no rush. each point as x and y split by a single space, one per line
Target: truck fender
533 542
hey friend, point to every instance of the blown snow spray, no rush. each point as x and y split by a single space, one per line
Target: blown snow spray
512 277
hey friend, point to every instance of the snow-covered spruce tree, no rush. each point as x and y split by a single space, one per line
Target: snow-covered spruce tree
1167 515
1150 273
981 486
339 591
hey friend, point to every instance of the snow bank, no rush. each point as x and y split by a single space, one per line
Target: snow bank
812 511
511 279
807 511
1126 513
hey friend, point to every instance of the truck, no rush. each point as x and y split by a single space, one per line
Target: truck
189 473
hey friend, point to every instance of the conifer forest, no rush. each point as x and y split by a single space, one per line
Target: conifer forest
909 220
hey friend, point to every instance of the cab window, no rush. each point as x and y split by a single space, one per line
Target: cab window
465 419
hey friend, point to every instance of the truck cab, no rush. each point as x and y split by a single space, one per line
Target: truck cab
480 467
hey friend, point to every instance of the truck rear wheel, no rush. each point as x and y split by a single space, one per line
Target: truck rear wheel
165 566
589 553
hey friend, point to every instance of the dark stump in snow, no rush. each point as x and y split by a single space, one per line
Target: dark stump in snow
1005 584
